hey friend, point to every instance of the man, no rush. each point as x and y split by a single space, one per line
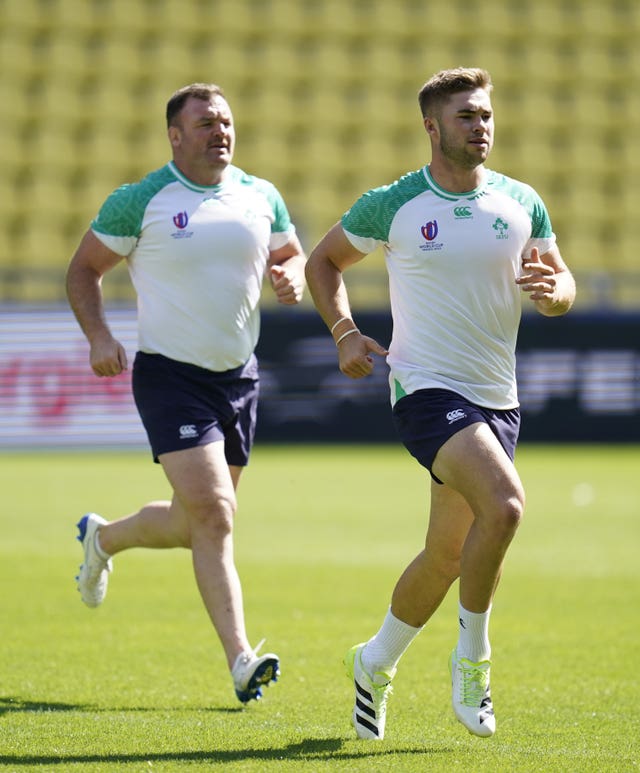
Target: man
460 243
198 236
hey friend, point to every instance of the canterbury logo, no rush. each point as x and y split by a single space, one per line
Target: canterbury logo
455 415
188 430
461 212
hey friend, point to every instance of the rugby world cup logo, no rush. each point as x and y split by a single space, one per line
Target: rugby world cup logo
430 230
181 220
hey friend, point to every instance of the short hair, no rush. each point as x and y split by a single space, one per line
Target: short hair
204 91
445 83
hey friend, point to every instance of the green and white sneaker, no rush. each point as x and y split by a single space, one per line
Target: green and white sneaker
370 709
471 696
94 571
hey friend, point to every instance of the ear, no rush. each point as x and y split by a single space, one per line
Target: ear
431 126
173 132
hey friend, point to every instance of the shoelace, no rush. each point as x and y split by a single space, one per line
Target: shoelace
249 656
475 682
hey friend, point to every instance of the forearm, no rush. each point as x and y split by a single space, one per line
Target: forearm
84 292
327 290
563 297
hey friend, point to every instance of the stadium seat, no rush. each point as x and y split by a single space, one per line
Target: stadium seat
324 93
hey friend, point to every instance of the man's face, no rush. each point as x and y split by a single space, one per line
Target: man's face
204 134
465 128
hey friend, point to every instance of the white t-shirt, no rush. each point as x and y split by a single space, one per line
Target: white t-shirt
452 261
197 257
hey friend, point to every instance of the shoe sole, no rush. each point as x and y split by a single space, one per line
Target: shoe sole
265 673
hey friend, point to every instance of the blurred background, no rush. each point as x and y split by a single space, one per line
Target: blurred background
324 94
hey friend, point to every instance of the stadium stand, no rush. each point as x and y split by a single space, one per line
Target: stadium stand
324 94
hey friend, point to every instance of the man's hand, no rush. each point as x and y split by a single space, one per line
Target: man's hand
107 357
354 355
287 283
538 279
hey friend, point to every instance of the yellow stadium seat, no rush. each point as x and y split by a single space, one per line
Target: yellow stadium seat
350 22
26 15
80 18
69 57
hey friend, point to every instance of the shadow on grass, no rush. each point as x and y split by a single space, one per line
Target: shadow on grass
308 749
10 704
311 749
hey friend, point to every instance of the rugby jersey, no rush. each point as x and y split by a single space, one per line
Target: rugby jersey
197 257
452 260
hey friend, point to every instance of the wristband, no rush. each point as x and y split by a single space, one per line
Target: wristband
348 333
335 324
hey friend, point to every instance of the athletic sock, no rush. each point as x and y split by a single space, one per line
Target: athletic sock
473 641
384 650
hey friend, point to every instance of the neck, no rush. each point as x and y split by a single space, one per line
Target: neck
455 179
202 175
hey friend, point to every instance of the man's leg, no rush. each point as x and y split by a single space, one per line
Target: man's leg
425 582
416 596
475 464
204 504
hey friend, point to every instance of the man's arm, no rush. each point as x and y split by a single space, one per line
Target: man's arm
286 271
90 263
333 254
549 282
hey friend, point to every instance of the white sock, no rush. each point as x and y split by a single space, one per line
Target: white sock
473 641
385 649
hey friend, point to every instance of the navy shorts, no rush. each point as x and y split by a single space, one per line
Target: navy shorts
426 419
183 406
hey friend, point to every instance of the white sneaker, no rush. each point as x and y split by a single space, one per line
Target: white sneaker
94 571
471 697
250 673
370 708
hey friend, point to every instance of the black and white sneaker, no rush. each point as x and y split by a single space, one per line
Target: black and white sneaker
372 693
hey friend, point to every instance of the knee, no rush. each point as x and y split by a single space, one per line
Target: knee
509 513
450 568
213 515
446 565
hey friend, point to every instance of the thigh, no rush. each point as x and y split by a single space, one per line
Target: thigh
450 519
474 463
200 477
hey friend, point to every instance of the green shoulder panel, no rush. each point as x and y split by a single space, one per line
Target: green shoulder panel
372 214
282 220
528 198
123 211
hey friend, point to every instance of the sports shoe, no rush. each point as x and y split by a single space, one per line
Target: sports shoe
471 695
94 571
251 672
370 709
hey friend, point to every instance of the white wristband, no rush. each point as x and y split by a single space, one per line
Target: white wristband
335 324
348 333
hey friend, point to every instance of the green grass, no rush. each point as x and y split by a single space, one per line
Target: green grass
141 684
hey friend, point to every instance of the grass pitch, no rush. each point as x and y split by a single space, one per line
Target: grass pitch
322 534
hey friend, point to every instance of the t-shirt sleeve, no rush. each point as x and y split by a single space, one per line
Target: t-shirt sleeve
117 224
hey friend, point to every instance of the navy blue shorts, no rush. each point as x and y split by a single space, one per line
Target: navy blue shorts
183 406
426 419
